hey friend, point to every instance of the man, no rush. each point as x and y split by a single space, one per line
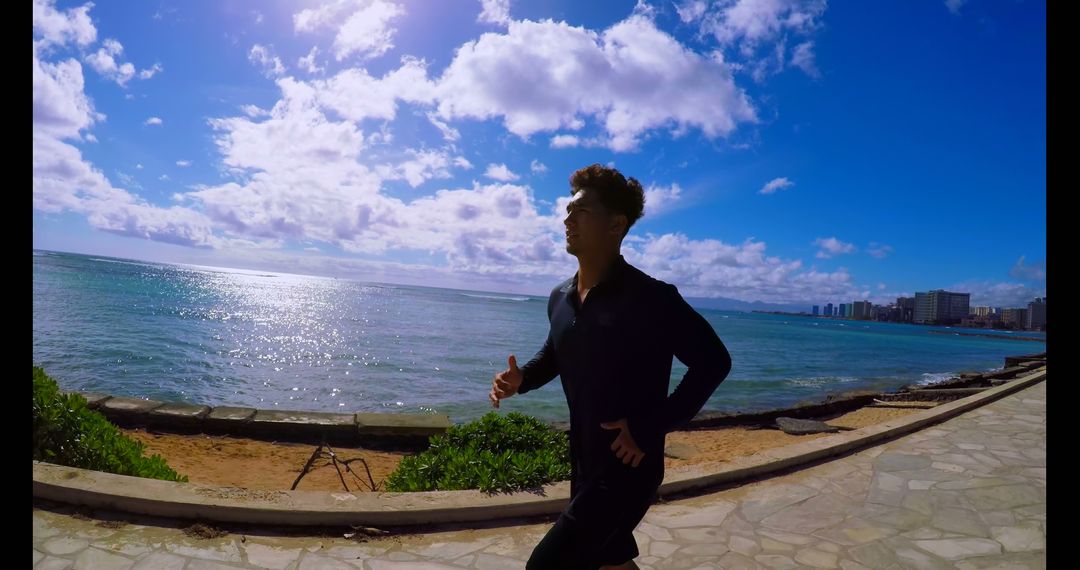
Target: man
613 333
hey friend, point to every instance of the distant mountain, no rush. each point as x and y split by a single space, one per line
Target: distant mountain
723 304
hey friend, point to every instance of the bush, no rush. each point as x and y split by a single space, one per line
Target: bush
495 453
67 432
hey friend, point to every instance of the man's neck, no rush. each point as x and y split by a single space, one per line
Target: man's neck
592 269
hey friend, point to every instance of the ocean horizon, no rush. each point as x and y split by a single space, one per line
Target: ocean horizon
220 336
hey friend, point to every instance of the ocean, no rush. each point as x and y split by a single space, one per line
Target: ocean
220 336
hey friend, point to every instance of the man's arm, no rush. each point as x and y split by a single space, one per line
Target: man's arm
696 345
544 366
541 369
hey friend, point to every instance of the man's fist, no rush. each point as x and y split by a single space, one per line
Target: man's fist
624 446
506 383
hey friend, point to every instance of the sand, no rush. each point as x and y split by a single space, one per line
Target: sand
255 464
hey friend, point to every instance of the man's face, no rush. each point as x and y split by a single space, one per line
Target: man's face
590 227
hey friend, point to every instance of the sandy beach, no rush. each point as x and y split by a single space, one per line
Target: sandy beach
256 464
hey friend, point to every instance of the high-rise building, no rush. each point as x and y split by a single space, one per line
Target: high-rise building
879 312
815 310
842 312
861 310
828 309
906 306
1015 318
940 307
1036 314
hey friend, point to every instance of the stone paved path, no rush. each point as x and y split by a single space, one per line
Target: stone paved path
968 493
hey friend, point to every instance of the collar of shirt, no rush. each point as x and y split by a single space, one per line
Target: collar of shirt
614 277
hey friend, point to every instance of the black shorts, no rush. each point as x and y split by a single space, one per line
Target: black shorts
596 528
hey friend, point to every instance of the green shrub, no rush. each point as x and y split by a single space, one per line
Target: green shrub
67 432
495 453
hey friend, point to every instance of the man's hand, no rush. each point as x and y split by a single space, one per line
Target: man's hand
624 446
506 383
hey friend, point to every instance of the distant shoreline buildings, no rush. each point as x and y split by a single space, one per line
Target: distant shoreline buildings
941 307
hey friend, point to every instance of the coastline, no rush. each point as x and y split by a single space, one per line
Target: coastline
709 439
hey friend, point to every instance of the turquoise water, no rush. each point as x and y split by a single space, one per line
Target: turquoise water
220 336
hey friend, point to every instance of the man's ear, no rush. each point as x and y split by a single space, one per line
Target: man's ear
619 222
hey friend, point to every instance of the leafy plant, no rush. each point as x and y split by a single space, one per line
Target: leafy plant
67 432
495 453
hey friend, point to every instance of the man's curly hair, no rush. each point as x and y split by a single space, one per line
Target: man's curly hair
617 193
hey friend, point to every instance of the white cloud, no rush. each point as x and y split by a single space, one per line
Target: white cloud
488 228
297 136
756 32
538 167
104 61
307 63
1036 271
138 167
362 26
500 172
356 95
127 180
183 163
151 71
300 175
881 286
495 12
257 17
62 26
163 177
691 10
302 170
264 57
153 121
954 5
684 89
880 251
803 58
423 165
660 199
776 184
164 11
711 268
832 246
450 134
565 141
254 111
175 225
753 22
62 179
998 294
61 107
643 8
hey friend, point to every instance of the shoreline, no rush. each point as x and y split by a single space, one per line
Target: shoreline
320 508
707 441
232 461
839 318
406 430
987 335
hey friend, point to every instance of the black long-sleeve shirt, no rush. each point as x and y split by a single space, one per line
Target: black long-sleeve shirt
613 353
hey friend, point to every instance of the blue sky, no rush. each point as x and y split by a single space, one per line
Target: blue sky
792 152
